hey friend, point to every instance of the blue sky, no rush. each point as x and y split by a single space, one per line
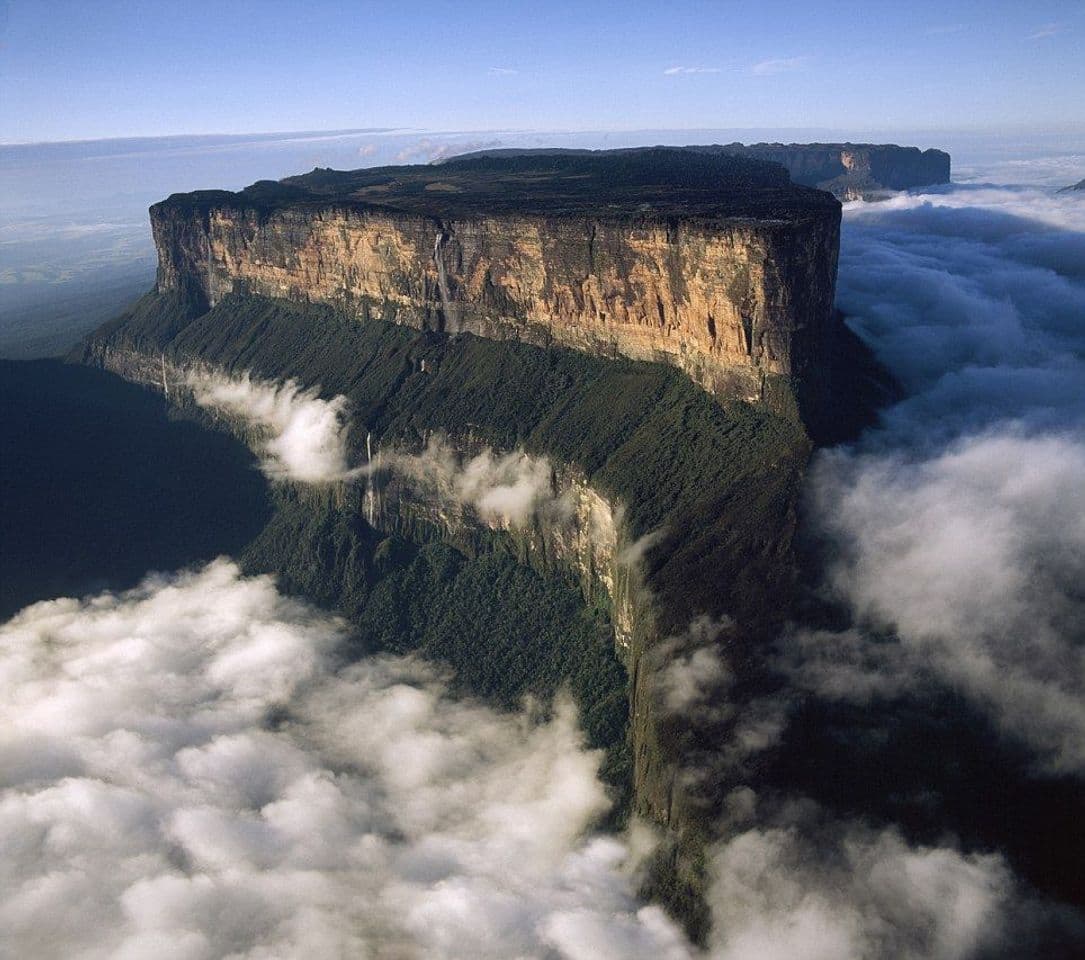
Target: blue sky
108 68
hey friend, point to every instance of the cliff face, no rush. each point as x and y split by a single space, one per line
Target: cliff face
738 297
672 506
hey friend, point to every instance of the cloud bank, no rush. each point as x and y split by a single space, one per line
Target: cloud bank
184 776
959 525
783 892
301 437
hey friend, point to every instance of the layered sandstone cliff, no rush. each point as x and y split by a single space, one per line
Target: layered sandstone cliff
718 266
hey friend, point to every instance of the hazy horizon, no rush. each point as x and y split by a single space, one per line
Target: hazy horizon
73 214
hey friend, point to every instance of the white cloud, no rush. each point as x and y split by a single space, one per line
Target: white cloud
301 436
973 296
768 68
429 149
633 554
502 72
692 672
185 776
960 523
972 557
686 71
1045 31
784 892
511 489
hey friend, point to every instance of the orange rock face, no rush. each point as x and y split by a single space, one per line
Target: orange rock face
733 303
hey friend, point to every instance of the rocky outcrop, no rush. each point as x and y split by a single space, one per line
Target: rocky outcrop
731 280
853 171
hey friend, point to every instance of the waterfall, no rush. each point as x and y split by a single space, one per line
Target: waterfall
210 274
369 505
451 319
165 383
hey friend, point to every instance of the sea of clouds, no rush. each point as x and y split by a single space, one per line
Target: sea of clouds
185 773
188 770
959 524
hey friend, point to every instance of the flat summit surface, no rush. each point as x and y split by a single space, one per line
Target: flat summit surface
651 183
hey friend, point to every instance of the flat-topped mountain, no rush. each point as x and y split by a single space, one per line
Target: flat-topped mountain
642 184
673 508
716 264
850 171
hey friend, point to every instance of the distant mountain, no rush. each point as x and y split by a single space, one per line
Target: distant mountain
850 171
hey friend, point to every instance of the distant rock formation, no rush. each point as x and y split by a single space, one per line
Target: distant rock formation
850 171
853 171
1080 185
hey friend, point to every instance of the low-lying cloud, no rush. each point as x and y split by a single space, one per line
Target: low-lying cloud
804 890
301 437
973 296
183 775
974 558
505 490
959 524
431 149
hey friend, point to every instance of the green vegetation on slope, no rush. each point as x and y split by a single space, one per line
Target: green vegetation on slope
719 481
507 631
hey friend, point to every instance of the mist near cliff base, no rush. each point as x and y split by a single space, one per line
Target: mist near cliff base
191 771
186 774
188 771
305 439
960 522
301 436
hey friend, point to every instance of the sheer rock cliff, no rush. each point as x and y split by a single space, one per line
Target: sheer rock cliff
726 272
